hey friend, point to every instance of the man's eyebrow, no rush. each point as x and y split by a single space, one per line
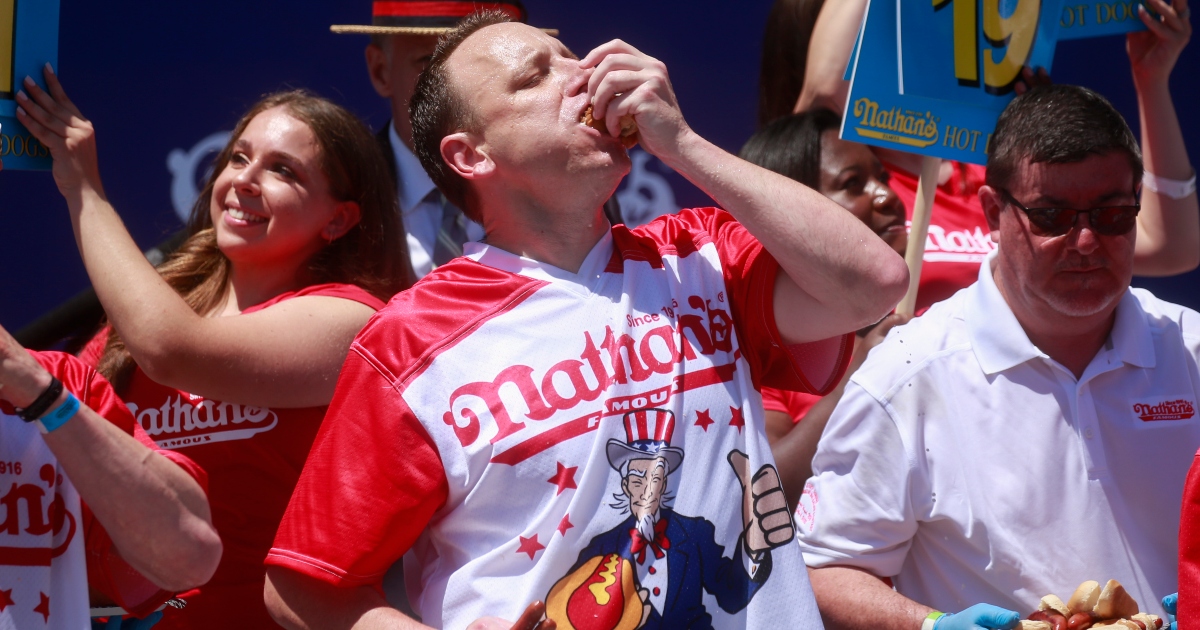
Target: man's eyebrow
1046 201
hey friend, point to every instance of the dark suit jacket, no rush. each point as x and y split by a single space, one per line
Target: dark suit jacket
694 562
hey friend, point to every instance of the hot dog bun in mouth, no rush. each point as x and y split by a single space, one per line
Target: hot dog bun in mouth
629 128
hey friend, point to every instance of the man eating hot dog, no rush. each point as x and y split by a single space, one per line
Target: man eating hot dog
569 412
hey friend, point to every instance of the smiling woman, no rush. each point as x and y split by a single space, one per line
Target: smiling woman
232 347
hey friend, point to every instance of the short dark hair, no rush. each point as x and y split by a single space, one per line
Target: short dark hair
1058 124
436 111
791 146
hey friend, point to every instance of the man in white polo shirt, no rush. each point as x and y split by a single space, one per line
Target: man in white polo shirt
1031 432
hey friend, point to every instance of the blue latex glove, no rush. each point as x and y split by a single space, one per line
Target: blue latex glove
1171 602
128 622
979 616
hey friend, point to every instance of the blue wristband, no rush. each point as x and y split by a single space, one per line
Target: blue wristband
60 415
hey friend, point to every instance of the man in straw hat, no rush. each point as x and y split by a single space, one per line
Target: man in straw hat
472 420
403 35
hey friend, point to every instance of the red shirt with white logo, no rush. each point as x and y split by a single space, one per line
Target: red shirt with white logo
52 549
502 419
959 236
253 456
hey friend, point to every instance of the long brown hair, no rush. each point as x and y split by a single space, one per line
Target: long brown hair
784 56
372 255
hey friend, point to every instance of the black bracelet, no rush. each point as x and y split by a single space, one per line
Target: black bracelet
39 407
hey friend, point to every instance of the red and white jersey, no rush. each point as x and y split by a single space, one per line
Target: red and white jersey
51 547
959 236
43 571
495 419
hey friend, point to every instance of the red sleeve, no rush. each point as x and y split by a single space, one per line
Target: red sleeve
750 272
351 292
794 404
372 482
107 571
1189 549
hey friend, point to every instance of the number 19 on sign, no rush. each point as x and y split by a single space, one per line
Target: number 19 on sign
1015 33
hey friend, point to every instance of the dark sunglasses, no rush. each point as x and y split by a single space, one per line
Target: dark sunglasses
1105 221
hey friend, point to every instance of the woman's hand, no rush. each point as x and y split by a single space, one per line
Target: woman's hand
1153 52
55 121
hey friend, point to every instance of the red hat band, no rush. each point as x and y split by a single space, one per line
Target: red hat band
436 14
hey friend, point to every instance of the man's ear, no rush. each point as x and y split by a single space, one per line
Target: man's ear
993 203
379 68
463 153
345 217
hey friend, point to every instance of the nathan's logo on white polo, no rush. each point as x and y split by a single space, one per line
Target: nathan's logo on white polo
942 245
178 422
1178 409
618 359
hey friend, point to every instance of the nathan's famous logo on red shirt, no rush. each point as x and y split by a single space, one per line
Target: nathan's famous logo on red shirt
944 245
179 422
41 518
1180 409
618 359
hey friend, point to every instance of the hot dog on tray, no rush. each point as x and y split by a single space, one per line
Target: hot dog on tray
1091 608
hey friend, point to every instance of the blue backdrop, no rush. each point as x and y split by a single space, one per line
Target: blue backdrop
158 79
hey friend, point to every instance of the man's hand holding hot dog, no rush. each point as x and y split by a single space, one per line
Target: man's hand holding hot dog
835 268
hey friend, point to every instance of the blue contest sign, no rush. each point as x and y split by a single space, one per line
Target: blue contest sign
932 76
1078 20
28 41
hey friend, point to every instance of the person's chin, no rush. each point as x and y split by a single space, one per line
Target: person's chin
1086 300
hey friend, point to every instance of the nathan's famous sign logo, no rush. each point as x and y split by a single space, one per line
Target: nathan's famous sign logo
914 129
896 124
619 358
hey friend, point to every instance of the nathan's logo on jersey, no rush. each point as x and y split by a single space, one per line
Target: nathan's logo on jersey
27 504
1180 409
957 245
618 358
178 422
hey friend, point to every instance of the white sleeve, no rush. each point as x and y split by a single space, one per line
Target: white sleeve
856 509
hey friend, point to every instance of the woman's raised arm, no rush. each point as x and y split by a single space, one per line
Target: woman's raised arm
287 355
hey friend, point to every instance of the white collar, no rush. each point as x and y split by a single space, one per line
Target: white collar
1000 342
415 184
589 273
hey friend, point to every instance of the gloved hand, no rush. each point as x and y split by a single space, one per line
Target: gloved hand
979 616
1171 602
128 622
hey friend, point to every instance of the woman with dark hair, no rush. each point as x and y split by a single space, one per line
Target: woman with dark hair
806 148
785 56
232 347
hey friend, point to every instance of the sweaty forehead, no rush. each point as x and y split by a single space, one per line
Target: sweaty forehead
500 50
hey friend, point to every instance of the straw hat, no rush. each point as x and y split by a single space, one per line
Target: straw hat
424 17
